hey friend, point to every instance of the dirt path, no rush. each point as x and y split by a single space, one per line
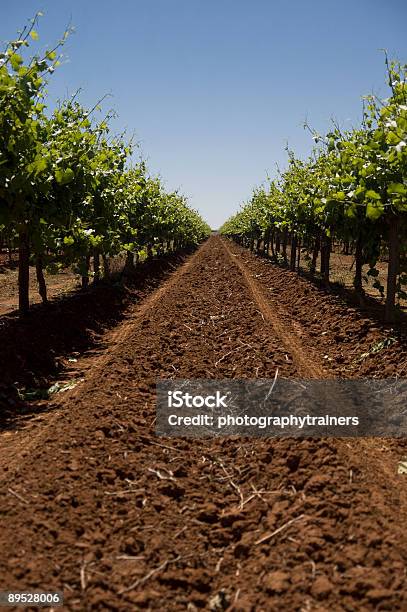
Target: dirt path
100 507
307 361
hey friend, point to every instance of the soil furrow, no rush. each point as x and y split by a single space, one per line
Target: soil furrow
307 367
23 444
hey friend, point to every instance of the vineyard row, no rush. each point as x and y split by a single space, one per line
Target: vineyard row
69 192
351 190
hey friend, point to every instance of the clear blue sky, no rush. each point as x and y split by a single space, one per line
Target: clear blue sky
213 89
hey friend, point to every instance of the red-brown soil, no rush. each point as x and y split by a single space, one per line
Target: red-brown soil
347 338
95 504
61 284
342 272
44 346
57 285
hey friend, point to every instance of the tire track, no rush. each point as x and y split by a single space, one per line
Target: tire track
307 364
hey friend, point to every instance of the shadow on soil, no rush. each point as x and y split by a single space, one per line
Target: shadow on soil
34 350
371 307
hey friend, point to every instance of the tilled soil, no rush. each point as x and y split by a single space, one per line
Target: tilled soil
350 341
57 285
43 347
96 505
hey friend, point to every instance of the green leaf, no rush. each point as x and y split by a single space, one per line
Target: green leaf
34 35
392 138
372 195
359 191
373 211
16 60
397 188
38 165
63 177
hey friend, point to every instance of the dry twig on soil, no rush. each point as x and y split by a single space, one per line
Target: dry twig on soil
17 495
276 531
162 476
140 581
233 484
